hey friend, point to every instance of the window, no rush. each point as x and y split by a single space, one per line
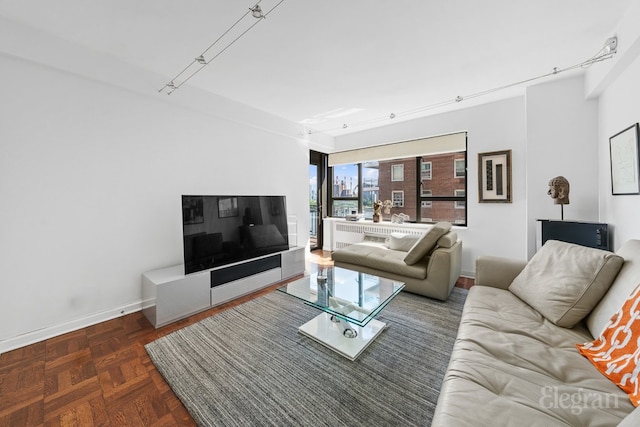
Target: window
426 203
425 170
397 173
459 203
427 187
460 170
369 185
397 199
344 192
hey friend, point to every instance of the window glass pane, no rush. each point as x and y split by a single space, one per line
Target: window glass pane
444 211
460 171
443 180
342 208
405 189
461 204
407 183
369 186
397 172
426 203
425 170
345 181
397 198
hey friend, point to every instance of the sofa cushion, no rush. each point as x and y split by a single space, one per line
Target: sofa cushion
381 258
448 240
615 352
564 281
511 366
427 242
631 420
402 242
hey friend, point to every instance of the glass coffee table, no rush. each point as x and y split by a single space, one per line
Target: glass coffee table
349 301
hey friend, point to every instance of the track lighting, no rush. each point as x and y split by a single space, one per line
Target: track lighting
606 52
256 11
610 46
199 62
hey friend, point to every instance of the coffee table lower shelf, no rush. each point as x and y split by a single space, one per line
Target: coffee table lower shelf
330 334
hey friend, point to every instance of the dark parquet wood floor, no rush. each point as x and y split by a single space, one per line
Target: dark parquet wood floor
98 376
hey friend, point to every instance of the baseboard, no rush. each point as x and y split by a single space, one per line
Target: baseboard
63 328
468 274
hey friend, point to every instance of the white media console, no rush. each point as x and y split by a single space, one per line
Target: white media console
169 295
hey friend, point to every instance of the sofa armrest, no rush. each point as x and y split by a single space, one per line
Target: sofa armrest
631 420
497 272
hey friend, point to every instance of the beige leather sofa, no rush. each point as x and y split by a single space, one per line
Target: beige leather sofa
429 265
513 364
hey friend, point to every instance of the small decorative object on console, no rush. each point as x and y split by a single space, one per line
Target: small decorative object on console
399 218
559 192
377 209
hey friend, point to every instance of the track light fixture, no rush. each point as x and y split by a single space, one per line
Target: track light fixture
256 12
199 62
606 52
610 46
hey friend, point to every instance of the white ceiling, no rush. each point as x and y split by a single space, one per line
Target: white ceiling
312 59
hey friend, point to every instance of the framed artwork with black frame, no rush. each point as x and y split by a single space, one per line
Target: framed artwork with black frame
494 177
625 162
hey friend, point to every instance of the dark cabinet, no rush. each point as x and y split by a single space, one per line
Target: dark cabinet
590 234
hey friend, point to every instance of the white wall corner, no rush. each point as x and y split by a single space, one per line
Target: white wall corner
600 75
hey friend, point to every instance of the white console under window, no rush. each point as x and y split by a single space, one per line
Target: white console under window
339 232
169 295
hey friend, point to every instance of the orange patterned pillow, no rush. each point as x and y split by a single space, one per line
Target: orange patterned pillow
616 353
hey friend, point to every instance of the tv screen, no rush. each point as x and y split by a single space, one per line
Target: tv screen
220 230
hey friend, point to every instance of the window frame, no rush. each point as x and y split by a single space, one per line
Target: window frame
455 199
460 201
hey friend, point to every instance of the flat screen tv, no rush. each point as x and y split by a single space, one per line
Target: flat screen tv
220 230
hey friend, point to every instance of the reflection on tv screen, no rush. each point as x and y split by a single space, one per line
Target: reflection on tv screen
220 230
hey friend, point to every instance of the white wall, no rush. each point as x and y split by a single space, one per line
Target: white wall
91 176
493 228
617 84
552 131
562 139
619 109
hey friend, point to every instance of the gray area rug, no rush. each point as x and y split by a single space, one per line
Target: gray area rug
249 366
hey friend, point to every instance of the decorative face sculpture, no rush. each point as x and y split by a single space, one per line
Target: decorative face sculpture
559 190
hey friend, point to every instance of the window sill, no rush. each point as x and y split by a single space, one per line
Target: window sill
388 223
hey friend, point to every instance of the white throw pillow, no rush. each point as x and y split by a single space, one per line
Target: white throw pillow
402 242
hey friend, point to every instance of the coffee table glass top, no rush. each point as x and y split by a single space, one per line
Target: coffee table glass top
346 294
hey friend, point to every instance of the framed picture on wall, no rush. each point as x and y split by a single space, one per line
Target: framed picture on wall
625 162
494 177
